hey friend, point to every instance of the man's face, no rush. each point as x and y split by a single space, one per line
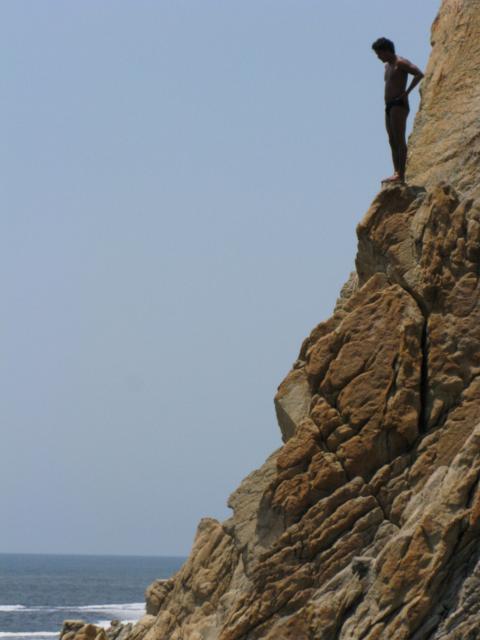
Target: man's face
383 55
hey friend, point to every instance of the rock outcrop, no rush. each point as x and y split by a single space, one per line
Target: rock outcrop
80 630
445 145
365 524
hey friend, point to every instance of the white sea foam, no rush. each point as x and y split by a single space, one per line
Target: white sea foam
125 612
20 608
103 623
12 607
28 634
107 623
129 608
137 607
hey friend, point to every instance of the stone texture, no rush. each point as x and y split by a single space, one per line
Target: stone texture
445 145
155 595
253 526
365 524
81 630
292 402
193 606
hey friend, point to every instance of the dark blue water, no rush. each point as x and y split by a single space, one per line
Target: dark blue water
38 592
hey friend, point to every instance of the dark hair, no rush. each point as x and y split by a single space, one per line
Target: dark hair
383 44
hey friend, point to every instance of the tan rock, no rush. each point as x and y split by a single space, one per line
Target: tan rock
70 628
253 526
155 594
199 586
80 630
445 144
292 402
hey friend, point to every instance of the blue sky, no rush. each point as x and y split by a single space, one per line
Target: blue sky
180 187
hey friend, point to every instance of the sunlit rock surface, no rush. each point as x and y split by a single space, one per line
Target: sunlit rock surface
445 145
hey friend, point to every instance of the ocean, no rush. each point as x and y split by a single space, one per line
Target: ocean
39 592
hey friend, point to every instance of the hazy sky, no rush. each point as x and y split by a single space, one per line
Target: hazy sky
180 185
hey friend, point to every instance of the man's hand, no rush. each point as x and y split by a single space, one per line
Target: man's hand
404 97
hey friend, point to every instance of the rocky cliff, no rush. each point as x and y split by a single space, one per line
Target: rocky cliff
365 524
445 145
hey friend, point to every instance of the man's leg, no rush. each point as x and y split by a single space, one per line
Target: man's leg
391 141
398 125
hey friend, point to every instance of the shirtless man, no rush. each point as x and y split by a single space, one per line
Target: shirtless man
397 108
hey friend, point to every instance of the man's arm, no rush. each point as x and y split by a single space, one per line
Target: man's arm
413 70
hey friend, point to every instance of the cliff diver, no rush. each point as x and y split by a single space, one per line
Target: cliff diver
397 70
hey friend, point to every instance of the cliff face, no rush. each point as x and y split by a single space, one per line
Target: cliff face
365 524
445 145
368 524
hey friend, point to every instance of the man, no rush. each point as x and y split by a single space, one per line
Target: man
397 70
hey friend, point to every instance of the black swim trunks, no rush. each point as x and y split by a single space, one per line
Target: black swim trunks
396 102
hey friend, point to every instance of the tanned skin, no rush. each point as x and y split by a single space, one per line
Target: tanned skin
397 70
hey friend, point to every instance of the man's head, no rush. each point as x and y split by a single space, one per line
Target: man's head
384 48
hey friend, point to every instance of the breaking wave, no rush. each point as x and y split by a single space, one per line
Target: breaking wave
130 608
28 634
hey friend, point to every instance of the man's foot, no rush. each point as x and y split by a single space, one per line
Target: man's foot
395 178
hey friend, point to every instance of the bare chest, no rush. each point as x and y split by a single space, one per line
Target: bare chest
394 75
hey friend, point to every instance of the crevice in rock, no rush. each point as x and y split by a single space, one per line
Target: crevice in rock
347 614
448 582
472 492
423 413
449 598
445 414
386 517
392 387
324 444
384 619
424 389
